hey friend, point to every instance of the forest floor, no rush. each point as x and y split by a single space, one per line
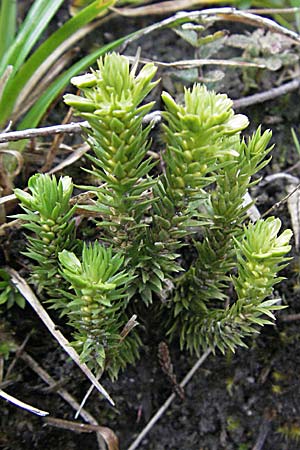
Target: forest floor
246 401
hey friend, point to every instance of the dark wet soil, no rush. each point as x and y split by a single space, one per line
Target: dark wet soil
246 401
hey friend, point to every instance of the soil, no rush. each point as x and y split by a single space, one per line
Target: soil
249 400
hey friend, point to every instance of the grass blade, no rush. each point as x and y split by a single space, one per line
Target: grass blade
295 4
8 19
4 79
35 114
16 84
48 66
33 26
37 86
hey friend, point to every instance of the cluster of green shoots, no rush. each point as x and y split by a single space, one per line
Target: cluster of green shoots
171 234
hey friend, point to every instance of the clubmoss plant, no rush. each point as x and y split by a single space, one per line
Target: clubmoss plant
96 309
9 295
176 237
49 216
112 106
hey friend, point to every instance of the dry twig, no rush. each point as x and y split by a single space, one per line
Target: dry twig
17 356
108 435
42 131
58 139
168 402
218 14
290 317
28 294
187 64
273 11
263 431
160 8
154 117
281 202
20 404
63 393
262 97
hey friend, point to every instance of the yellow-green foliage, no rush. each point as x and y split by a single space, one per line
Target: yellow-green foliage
178 238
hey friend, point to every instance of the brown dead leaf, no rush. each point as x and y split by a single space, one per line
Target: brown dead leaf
108 435
293 203
163 7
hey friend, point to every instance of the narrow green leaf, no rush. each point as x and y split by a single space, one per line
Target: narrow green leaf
20 300
4 79
267 312
8 15
35 114
16 84
38 17
4 295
